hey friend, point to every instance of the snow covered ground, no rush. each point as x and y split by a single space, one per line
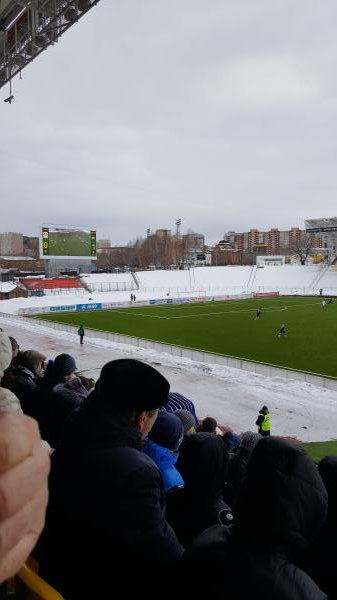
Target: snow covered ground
289 279
232 396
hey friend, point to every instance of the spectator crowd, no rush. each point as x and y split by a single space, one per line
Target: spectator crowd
147 497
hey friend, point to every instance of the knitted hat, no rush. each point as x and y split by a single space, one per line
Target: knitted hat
186 418
131 385
64 364
249 440
167 431
5 353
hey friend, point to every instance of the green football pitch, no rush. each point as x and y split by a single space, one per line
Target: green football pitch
230 328
75 243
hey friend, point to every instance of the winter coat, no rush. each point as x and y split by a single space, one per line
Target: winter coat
23 384
321 562
62 400
203 464
106 514
280 511
237 466
165 461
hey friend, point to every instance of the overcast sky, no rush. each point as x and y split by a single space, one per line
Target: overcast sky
220 112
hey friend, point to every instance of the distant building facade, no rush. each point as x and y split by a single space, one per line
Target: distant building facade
11 244
31 246
103 244
271 242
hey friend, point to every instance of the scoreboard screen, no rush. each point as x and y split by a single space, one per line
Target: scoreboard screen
68 242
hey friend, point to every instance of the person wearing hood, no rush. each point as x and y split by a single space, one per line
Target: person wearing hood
203 463
278 515
106 523
8 401
238 465
321 563
163 444
28 370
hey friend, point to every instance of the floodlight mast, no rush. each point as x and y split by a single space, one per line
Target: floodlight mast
27 27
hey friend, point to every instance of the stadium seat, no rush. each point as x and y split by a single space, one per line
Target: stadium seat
32 587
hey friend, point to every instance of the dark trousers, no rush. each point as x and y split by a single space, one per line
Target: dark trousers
264 433
81 339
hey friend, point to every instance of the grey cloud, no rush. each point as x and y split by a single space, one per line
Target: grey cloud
221 113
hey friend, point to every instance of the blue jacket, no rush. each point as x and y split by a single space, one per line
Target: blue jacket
165 461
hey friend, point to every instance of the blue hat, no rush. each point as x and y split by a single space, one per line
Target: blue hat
167 431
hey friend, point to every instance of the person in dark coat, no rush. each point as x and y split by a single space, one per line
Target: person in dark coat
66 395
278 515
322 563
203 463
106 525
237 466
81 333
28 370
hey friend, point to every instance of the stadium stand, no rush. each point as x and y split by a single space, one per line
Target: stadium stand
51 285
108 282
328 282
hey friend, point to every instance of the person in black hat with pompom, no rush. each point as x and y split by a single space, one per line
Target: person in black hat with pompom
106 525
66 393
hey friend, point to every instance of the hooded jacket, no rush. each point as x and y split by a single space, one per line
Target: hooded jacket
321 562
106 515
202 462
278 515
165 460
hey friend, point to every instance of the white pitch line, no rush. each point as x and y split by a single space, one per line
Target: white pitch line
224 312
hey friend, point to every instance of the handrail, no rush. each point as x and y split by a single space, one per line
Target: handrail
37 585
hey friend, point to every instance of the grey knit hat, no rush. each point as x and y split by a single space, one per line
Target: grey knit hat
64 364
249 440
186 418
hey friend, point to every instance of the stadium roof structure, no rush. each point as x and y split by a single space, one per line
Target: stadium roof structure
321 225
27 27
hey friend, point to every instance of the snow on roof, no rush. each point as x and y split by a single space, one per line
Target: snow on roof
7 286
17 257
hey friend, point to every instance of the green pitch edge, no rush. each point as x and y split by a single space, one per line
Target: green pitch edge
257 362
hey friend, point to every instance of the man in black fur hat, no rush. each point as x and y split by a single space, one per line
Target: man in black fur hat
106 517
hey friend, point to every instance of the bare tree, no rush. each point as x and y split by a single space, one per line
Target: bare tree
302 245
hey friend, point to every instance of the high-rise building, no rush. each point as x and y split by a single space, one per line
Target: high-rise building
31 246
103 244
11 244
271 242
